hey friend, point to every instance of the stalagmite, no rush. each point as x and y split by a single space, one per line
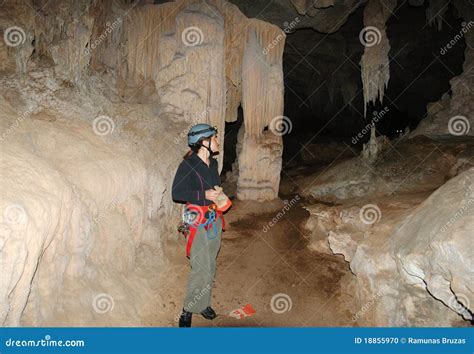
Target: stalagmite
374 147
374 63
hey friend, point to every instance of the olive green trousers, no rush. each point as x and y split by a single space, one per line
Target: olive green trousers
202 259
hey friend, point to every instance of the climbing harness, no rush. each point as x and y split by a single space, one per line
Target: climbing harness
210 220
197 217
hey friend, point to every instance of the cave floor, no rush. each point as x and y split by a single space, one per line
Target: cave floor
255 266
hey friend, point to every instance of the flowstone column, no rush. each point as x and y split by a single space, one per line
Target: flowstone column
262 103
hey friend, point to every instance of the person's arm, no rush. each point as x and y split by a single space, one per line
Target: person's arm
183 189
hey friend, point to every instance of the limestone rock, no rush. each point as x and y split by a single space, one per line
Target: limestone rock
303 6
433 246
80 200
259 166
411 261
262 102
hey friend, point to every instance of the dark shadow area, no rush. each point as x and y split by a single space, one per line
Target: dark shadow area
230 153
323 86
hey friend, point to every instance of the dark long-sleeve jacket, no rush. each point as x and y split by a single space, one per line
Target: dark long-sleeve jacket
192 179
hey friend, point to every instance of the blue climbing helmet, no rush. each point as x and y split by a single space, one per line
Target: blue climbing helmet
200 131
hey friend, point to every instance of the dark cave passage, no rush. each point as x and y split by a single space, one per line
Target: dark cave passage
323 86
231 133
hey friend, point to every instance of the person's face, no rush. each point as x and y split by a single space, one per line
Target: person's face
214 143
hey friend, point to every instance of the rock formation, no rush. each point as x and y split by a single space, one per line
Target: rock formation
373 149
262 102
374 63
432 247
82 196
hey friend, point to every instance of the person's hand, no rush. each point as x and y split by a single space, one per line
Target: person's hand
212 194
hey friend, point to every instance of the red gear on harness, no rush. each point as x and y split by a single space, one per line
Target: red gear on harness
201 219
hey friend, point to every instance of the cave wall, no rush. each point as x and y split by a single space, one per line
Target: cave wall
83 196
185 56
179 51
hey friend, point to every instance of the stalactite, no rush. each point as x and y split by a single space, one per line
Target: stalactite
235 39
262 76
435 12
262 102
374 63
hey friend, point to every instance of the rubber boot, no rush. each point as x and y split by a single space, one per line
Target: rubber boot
185 319
209 313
